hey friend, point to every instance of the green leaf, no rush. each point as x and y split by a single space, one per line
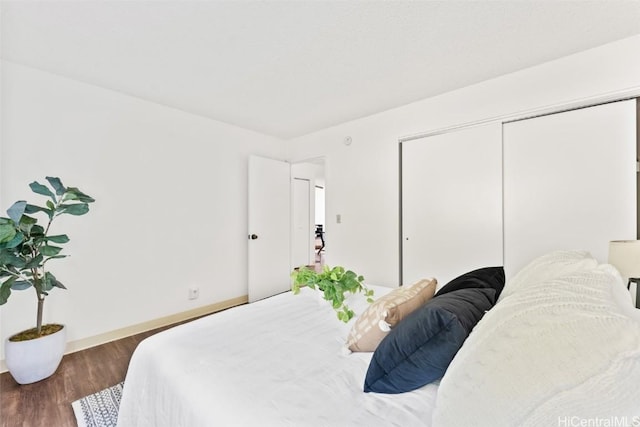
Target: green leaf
5 289
28 220
60 238
37 230
34 262
349 312
13 243
50 250
7 232
56 184
54 257
21 285
55 281
50 281
30 209
26 223
47 282
38 188
74 209
74 193
9 259
17 210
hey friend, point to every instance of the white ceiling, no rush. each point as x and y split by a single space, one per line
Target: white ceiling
288 68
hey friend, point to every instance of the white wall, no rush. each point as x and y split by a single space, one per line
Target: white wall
171 187
362 178
171 209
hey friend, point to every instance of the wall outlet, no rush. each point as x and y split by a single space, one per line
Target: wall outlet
194 293
338 219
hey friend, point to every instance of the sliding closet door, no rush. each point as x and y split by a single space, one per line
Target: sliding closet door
451 203
569 182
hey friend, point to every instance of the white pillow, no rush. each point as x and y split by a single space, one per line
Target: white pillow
547 267
555 349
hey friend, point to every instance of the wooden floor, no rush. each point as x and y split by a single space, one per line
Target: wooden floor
48 403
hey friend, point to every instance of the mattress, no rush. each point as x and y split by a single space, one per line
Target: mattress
276 362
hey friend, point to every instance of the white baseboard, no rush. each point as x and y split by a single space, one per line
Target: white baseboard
96 340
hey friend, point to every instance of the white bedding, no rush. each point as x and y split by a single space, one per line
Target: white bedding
563 343
561 348
279 361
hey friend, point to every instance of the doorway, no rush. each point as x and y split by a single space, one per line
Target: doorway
308 232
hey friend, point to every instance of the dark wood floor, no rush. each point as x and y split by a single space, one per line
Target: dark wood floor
48 403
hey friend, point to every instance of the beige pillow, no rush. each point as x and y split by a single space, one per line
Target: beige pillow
386 312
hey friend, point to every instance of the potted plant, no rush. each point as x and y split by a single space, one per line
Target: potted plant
25 251
334 283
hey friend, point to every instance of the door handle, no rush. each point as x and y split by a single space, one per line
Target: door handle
253 236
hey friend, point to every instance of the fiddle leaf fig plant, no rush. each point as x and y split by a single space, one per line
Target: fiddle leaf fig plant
334 283
26 247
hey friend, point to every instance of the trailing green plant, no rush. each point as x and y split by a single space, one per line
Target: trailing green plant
334 283
26 247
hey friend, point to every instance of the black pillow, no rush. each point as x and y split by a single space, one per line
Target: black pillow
488 277
419 349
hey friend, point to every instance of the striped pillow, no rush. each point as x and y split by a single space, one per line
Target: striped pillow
386 312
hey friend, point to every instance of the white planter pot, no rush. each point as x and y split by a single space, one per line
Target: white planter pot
34 360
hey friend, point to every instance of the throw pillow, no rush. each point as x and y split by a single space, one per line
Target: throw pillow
488 277
419 350
386 312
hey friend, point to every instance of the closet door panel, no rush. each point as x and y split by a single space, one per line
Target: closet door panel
569 182
451 203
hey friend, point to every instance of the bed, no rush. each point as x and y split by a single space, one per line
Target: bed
561 343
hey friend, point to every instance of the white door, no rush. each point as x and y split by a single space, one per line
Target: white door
269 227
569 182
451 203
301 242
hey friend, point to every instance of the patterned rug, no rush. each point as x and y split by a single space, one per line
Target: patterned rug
99 409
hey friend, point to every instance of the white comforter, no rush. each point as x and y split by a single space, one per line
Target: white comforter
276 362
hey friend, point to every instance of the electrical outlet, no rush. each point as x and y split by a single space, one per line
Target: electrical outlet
194 293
